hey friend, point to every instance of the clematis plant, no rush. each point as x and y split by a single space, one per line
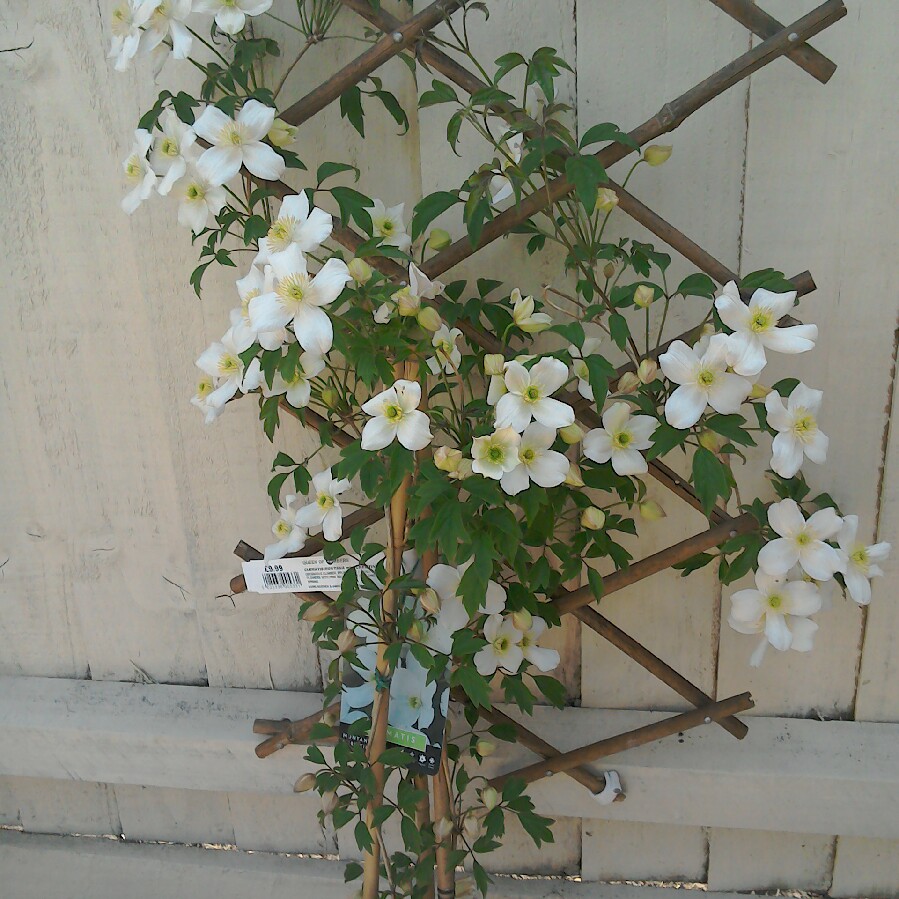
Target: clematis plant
504 430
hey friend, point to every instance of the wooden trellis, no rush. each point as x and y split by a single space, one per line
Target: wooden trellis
777 41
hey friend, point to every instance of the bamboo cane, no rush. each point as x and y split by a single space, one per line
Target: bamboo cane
667 119
629 740
764 25
403 36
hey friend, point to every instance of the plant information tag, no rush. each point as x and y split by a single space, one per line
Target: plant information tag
305 574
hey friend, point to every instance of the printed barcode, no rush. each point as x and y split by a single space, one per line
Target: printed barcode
282 579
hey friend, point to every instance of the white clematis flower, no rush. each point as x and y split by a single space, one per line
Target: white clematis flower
290 537
126 35
621 439
411 696
197 199
139 175
447 356
222 361
444 580
324 513
298 225
165 18
295 298
530 396
704 381
797 425
388 224
500 185
237 142
205 388
540 464
755 328
496 454
299 388
524 316
396 416
242 330
775 607
540 657
502 650
801 541
352 699
579 366
169 155
858 560
231 15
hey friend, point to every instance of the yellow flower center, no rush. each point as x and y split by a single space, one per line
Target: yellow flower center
280 233
232 133
859 557
706 378
386 227
133 168
204 388
415 702
803 539
531 393
325 501
501 645
292 289
775 601
804 424
496 454
762 320
195 192
622 439
169 147
282 528
393 412
527 455
229 365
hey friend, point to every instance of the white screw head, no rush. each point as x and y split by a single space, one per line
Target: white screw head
398 37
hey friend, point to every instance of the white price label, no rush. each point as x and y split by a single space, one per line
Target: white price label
303 575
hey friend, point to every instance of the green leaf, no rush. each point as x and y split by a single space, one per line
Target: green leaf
552 689
274 488
731 426
254 228
351 108
694 563
282 460
353 871
606 131
507 63
440 92
392 105
619 329
353 207
600 372
329 169
586 173
429 208
594 579
697 285
709 479
473 684
363 836
665 438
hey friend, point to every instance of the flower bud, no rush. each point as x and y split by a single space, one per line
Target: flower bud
628 382
710 440
305 783
443 827
573 478
317 611
360 271
572 433
608 269
447 459
429 318
522 619
330 719
708 329
656 154
346 641
281 134
759 391
592 518
330 397
485 748
416 632
490 798
464 471
406 302
439 239
651 510
647 371
494 364
429 600
471 826
329 801
643 296
606 199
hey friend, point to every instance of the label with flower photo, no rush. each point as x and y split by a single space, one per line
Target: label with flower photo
417 708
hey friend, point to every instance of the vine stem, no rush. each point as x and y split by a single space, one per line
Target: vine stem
377 743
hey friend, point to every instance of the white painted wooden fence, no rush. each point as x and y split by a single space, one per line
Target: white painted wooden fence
121 509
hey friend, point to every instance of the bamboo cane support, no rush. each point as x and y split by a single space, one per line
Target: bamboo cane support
629 740
667 119
764 25
401 38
